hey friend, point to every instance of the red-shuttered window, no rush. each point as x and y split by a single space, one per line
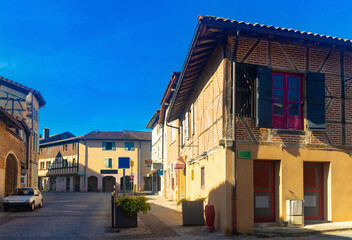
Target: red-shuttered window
286 101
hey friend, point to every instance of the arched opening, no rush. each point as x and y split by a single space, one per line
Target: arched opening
108 183
92 184
10 175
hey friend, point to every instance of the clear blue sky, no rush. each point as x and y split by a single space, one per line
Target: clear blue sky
105 64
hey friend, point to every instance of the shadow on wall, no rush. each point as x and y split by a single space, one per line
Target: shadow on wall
217 198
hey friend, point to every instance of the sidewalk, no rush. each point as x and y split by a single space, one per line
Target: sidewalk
165 221
310 228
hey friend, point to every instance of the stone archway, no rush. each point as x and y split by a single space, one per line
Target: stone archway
92 184
108 183
10 174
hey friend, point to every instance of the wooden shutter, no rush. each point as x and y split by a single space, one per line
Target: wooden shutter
316 101
132 146
106 162
263 97
113 146
104 146
110 162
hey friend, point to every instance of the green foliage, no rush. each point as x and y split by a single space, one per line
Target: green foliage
134 204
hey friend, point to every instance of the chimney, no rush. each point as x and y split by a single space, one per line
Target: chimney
46 133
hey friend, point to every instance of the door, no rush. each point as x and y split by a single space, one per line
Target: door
264 191
313 191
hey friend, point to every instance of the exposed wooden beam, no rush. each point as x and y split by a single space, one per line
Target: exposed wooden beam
191 63
325 61
250 51
207 40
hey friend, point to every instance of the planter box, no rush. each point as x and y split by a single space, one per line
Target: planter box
123 220
193 213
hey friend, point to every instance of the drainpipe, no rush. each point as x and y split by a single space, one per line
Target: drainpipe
234 162
139 166
85 165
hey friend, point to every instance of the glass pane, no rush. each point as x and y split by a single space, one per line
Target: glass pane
278 81
293 109
278 94
293 96
278 108
293 82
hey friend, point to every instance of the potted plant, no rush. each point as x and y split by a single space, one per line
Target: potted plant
192 211
127 208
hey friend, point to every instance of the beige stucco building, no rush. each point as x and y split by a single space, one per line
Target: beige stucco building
91 162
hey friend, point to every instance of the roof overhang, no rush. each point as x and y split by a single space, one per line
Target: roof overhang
214 31
153 120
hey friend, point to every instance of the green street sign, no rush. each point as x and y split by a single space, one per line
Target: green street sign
244 154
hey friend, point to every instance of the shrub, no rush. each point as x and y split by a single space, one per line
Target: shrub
134 204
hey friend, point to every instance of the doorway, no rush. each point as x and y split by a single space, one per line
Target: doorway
108 184
264 191
10 175
313 191
92 184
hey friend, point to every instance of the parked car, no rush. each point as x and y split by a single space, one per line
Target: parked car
24 197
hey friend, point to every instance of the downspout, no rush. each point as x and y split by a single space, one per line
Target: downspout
234 160
85 165
140 166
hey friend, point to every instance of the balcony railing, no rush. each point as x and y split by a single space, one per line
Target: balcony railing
59 169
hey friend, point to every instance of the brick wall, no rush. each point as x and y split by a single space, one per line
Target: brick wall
292 59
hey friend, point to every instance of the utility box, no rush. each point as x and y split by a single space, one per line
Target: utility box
294 213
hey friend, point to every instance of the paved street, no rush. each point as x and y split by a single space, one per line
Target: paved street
87 216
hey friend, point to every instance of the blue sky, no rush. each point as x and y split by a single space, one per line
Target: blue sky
105 64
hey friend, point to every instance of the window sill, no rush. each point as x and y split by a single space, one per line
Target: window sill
287 132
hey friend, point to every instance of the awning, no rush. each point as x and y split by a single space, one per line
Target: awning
180 163
152 172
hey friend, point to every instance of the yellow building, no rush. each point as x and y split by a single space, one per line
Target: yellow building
262 120
99 153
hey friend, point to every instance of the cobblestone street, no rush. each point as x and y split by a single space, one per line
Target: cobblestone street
87 216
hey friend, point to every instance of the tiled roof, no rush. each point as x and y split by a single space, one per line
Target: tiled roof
57 137
124 135
11 84
270 27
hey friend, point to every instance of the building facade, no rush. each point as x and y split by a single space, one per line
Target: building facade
91 162
100 152
263 118
20 141
58 162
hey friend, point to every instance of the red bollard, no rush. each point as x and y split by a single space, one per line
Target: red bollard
210 216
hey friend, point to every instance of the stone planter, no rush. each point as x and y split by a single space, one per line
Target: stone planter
192 213
123 220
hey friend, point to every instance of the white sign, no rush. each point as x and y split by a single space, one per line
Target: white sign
310 201
261 201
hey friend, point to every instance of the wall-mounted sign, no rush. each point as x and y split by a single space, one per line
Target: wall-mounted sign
244 154
160 172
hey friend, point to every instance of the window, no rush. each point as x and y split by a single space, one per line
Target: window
187 125
48 150
74 146
202 178
48 164
129 146
42 165
108 146
74 162
108 163
149 166
64 147
192 119
64 163
35 173
40 151
286 101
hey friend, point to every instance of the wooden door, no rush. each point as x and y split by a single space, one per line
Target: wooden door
264 191
313 191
